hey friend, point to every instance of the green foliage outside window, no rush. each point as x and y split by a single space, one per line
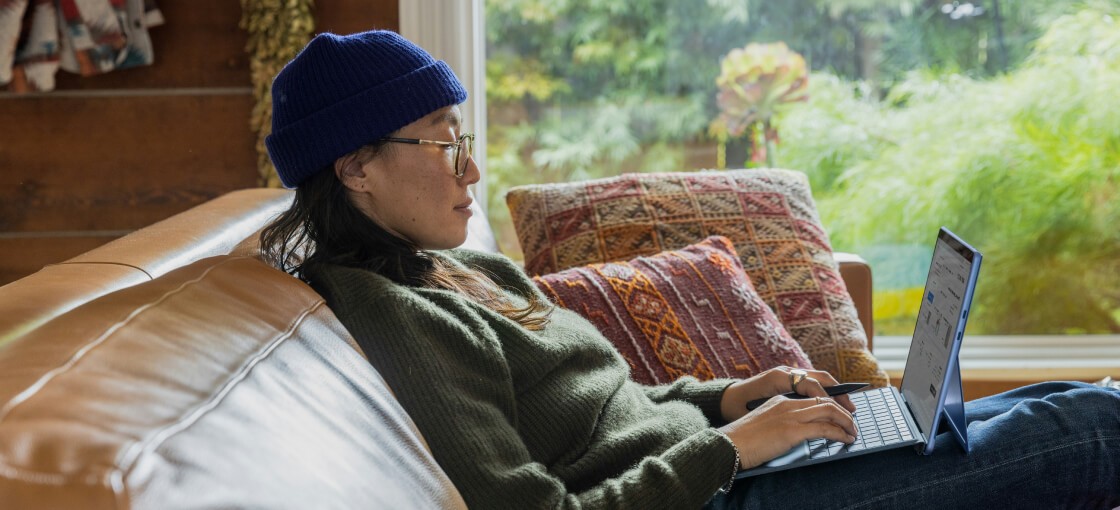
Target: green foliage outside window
1026 165
1008 134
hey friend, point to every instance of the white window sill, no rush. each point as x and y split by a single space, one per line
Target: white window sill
1002 358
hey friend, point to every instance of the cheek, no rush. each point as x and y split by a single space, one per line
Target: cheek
412 195
418 205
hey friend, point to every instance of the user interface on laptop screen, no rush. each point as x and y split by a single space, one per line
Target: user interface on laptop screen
938 317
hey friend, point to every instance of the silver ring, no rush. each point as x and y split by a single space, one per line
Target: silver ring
796 375
818 400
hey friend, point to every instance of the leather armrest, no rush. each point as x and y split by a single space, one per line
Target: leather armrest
227 224
857 277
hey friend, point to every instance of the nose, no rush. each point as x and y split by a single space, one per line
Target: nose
472 174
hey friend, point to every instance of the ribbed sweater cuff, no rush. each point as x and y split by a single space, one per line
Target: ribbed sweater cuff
703 462
707 396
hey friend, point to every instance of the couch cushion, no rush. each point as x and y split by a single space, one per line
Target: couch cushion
690 312
223 384
769 215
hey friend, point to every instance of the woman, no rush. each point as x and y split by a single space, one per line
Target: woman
528 406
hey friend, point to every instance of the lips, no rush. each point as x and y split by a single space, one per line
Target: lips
465 208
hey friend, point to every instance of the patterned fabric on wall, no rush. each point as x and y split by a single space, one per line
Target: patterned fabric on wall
768 214
687 312
87 37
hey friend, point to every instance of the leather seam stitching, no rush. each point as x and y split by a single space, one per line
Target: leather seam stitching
38 477
154 439
85 349
57 478
138 268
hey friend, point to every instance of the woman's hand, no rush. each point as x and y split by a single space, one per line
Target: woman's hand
781 423
776 381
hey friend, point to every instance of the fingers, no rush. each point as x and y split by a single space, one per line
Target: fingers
828 431
832 413
825 378
846 402
778 380
819 375
814 386
816 378
828 411
811 387
781 422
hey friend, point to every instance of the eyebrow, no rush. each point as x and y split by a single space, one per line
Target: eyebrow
449 117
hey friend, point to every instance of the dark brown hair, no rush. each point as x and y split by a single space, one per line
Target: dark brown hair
322 226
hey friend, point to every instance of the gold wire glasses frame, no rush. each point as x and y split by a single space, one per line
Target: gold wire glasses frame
466 140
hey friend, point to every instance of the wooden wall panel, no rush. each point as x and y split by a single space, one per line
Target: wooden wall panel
104 155
120 162
350 16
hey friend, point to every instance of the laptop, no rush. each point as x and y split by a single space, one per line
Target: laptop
930 398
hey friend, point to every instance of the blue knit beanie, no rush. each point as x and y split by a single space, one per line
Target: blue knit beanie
344 91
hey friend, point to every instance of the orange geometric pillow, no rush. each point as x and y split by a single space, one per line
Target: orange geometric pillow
686 312
769 215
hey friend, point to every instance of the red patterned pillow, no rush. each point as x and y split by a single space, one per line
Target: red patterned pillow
768 214
687 312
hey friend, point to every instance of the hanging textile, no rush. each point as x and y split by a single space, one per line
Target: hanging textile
87 37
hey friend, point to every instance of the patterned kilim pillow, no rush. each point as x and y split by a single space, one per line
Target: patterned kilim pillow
769 215
687 312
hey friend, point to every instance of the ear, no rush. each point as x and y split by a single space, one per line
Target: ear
350 173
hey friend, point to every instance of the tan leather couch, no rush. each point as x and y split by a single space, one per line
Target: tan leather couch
173 369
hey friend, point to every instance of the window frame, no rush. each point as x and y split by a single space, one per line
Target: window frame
454 31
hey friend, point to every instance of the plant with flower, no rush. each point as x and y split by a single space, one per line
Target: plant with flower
755 82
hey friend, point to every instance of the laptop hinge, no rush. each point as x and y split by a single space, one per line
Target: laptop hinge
910 411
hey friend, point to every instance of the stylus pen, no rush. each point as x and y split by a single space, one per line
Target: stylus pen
832 391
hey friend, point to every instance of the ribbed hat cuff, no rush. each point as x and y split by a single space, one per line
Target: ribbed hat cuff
345 126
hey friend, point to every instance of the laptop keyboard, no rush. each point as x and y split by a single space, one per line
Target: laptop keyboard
878 419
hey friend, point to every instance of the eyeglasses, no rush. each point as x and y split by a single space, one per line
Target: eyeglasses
465 144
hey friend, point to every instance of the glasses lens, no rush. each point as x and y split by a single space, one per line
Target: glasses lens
463 154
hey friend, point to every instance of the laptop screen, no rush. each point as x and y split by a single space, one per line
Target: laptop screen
941 319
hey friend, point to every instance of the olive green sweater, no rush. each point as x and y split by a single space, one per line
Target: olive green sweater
531 420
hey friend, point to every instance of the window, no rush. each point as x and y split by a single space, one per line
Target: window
996 118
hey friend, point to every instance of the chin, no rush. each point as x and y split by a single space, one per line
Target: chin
447 243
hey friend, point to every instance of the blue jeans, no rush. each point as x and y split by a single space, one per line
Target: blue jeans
1050 445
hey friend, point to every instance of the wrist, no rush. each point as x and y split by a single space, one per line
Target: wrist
725 488
729 408
733 405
